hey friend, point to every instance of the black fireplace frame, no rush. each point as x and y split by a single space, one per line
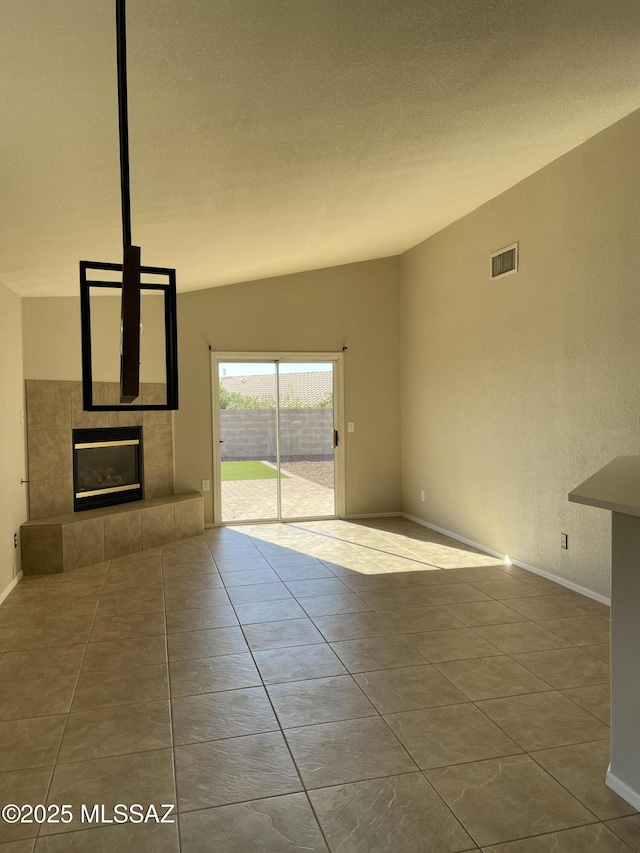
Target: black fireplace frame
113 496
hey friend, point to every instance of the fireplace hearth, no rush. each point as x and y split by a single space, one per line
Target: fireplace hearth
107 466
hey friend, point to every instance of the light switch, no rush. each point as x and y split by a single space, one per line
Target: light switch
351 427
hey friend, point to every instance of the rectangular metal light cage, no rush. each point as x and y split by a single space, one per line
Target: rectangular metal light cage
168 289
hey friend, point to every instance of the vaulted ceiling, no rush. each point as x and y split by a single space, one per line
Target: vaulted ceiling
274 136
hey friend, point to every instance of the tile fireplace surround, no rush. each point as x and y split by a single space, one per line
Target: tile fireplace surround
55 538
54 409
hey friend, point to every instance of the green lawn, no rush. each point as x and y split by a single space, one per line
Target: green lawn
248 471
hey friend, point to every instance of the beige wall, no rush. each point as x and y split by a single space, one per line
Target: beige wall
13 500
515 391
52 348
354 305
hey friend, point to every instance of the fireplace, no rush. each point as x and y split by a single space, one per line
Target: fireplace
107 466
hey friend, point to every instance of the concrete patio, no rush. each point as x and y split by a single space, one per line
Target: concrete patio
249 500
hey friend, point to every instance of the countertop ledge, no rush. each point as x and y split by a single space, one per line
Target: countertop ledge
616 487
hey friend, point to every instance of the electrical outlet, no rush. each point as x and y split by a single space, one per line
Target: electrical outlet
15 540
564 541
421 496
205 486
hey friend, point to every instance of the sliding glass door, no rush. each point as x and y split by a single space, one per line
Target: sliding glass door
278 437
248 441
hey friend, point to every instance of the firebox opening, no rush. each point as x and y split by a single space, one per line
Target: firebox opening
107 466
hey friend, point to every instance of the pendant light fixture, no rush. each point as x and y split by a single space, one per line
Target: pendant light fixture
131 282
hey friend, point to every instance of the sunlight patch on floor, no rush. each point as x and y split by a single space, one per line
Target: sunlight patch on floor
398 546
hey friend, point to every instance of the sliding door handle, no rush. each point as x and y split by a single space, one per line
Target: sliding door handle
336 438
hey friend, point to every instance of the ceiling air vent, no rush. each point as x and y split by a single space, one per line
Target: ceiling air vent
504 262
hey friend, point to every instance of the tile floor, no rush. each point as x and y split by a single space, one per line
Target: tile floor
358 688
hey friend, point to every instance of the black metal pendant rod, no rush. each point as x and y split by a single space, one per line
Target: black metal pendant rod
123 114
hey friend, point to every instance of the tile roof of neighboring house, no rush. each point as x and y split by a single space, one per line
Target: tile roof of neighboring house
296 389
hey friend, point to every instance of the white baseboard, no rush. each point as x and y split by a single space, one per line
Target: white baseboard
574 587
372 515
622 790
11 586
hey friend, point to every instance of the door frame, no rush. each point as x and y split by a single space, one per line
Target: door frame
337 358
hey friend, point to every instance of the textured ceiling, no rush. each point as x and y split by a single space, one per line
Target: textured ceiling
273 137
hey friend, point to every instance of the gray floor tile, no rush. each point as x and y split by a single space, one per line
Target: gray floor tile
490 678
566 667
581 630
595 837
627 828
508 588
36 697
373 653
200 619
13 615
582 769
143 777
353 626
335 753
408 688
236 776
51 635
397 813
302 573
602 651
122 654
455 594
298 664
506 799
455 644
521 637
541 720
213 642
319 700
269 611
453 734
31 742
317 586
476 613
213 716
258 592
6 635
249 577
545 607
210 675
285 824
41 663
127 626
420 619
22 787
115 731
331 605
234 770
143 838
197 598
282 634
595 699
194 581
107 688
